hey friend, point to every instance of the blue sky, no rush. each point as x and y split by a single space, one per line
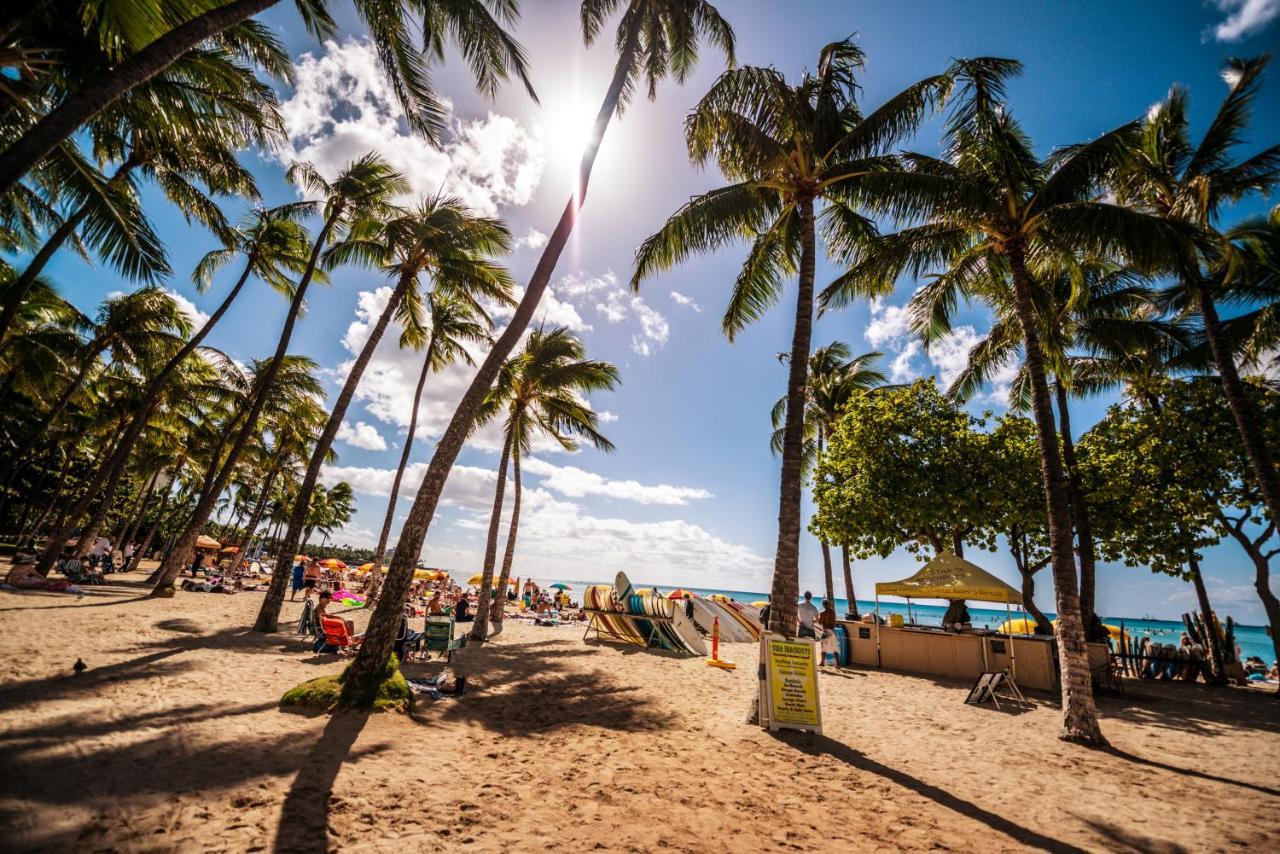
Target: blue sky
690 495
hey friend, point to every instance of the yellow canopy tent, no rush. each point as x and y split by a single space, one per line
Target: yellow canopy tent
950 577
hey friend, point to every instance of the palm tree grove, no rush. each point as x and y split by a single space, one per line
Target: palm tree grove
885 451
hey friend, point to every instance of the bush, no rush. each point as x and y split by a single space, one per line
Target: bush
328 692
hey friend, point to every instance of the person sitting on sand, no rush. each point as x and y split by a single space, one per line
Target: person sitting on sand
436 606
462 610
23 576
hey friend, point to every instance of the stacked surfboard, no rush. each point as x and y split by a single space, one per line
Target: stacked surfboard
643 619
736 626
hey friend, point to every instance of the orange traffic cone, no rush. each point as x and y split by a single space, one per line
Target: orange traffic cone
715 660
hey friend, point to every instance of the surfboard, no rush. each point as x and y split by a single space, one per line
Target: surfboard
684 629
600 598
842 646
732 628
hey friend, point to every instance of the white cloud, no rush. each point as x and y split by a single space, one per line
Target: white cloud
681 299
343 107
950 354
1244 18
888 325
606 417
197 317
362 435
900 369
617 306
580 284
532 239
576 483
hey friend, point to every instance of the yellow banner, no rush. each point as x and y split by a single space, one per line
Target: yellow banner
791 668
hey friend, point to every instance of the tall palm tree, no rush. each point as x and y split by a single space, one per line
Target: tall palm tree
441 238
274 245
359 194
834 374
1170 177
450 325
990 212
655 38
161 35
797 156
540 391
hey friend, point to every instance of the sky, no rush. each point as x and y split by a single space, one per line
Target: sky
690 495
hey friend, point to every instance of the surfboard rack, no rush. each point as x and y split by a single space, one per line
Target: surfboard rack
602 630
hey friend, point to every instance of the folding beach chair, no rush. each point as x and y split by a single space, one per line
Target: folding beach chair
439 637
336 636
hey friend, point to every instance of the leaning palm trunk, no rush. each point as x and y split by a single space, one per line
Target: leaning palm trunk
375 577
479 631
786 565
848 583
1079 511
1211 636
1242 409
375 650
1079 717
269 613
106 474
185 547
95 96
260 506
499 608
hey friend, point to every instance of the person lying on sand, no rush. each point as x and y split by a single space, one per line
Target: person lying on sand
23 576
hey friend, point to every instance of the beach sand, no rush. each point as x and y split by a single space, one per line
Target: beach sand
172 740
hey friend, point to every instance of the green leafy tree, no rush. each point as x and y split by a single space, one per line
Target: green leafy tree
905 468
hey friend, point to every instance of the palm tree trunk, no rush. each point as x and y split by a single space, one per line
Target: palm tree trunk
499 607
375 650
848 583
380 553
1242 408
134 517
261 506
826 548
1079 716
269 612
185 547
1079 510
479 630
106 475
17 292
159 523
81 106
786 566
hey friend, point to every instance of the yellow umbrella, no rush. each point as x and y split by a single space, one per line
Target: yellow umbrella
427 574
364 567
1027 626
333 563
475 580
760 604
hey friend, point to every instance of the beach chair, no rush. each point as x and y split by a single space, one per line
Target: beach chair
1106 675
439 637
336 634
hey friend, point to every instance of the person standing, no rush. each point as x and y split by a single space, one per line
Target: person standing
310 577
806 613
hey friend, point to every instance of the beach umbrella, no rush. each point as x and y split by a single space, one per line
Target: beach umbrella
760 604
204 542
300 558
427 575
680 594
1027 626
475 580
364 567
560 585
230 550
332 563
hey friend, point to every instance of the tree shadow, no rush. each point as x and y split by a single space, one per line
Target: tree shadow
1121 840
70 600
514 697
1189 772
39 689
56 730
304 819
1203 710
821 745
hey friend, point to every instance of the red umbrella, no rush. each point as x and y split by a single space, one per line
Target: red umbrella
680 594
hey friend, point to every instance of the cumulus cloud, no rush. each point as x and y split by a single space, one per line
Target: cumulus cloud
197 317
343 107
888 325
617 306
531 239
688 302
606 417
362 435
1244 18
576 483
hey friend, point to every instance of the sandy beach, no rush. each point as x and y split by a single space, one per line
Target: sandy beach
172 740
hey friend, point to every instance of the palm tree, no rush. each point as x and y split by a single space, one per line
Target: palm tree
359 194
991 212
451 324
441 238
1169 177
797 155
152 38
834 374
540 391
655 38
181 130
274 245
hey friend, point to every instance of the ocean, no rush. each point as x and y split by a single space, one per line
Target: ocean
1252 640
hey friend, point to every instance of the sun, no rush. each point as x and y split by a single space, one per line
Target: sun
564 125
